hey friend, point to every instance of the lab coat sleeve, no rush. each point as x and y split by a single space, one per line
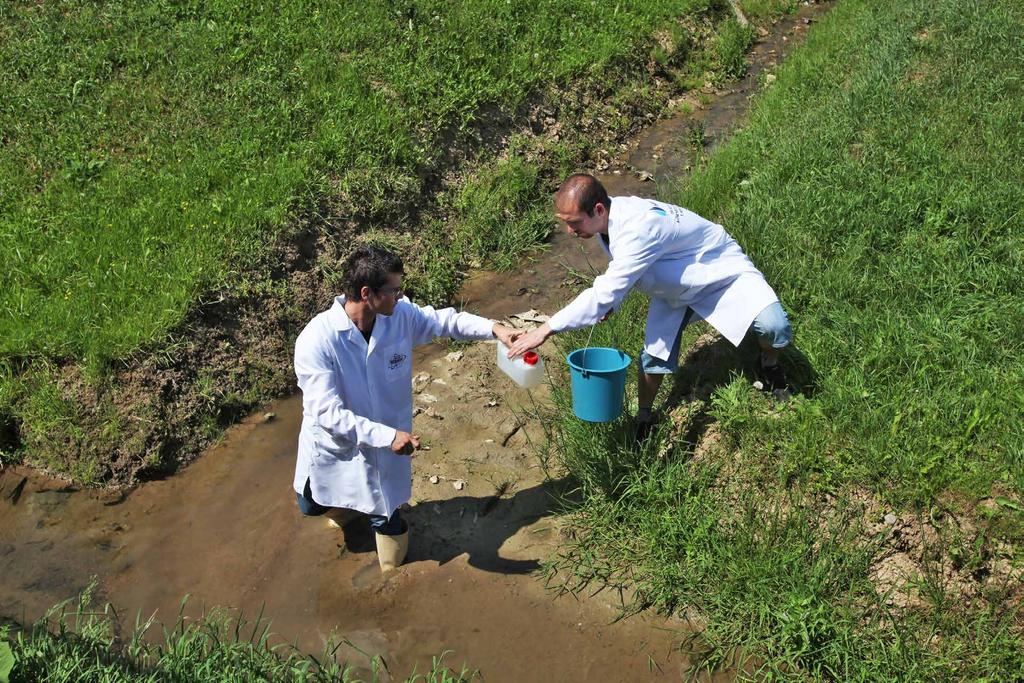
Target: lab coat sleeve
628 264
428 324
321 400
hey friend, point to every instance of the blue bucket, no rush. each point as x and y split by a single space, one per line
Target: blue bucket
598 382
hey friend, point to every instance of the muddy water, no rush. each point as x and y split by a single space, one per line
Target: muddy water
226 530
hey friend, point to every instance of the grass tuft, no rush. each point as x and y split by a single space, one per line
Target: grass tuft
76 640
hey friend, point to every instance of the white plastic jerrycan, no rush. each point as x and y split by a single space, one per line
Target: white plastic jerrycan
527 371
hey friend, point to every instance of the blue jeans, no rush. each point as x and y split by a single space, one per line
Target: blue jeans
393 526
770 325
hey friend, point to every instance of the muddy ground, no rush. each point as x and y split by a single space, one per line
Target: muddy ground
226 530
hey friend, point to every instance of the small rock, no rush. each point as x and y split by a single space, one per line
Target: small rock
424 448
434 479
759 385
890 519
430 412
490 404
762 31
531 316
428 398
454 356
645 175
488 440
459 484
269 417
112 497
441 382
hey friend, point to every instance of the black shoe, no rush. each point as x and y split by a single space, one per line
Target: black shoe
773 381
359 536
642 430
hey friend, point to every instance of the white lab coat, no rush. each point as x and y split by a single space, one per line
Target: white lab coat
356 395
680 260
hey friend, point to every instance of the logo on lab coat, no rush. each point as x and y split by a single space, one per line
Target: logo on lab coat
395 360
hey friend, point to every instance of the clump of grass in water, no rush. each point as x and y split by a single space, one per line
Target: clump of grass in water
75 641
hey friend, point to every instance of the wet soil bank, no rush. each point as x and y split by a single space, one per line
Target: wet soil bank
227 532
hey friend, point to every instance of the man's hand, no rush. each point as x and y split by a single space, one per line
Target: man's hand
405 443
505 334
530 340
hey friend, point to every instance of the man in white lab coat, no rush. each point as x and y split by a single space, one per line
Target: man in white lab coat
689 266
354 367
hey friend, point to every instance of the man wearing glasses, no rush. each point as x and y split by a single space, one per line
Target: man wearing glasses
354 367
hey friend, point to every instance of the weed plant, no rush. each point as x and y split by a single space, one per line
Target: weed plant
75 641
878 186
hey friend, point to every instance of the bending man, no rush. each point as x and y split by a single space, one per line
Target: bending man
354 366
690 267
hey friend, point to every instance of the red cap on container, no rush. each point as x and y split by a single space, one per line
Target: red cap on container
531 358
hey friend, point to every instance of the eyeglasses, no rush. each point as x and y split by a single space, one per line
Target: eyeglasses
391 291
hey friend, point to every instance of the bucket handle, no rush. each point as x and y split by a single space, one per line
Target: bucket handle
584 371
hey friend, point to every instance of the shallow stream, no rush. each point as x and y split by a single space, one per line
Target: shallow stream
226 530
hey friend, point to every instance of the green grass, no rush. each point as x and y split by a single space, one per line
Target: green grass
878 185
151 149
154 155
75 641
887 214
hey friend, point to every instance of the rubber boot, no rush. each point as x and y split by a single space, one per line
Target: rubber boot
391 550
339 517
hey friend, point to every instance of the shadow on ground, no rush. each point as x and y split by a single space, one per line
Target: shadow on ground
484 527
713 364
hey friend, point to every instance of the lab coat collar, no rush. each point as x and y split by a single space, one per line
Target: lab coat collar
342 323
339 318
614 215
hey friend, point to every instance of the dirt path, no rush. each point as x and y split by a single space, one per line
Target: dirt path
226 530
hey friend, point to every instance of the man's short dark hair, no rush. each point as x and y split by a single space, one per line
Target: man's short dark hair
369 266
585 191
